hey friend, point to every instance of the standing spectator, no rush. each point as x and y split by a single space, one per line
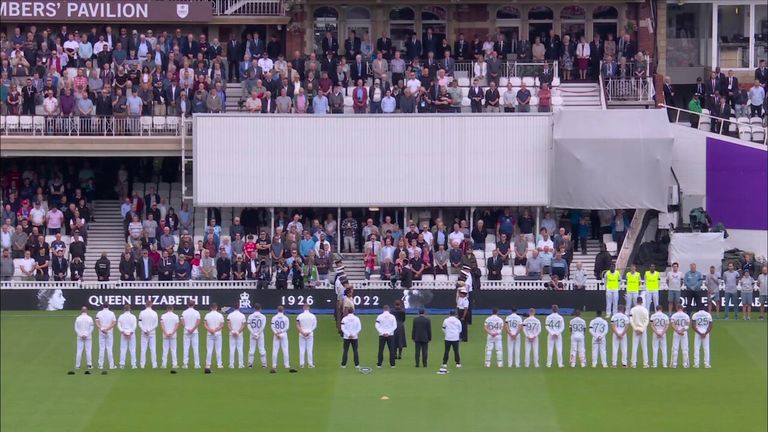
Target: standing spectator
693 280
747 285
695 106
756 98
476 95
545 98
492 98
523 99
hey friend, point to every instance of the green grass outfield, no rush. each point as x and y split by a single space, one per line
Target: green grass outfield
38 396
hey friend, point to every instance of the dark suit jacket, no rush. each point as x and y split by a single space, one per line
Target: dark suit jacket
358 73
502 48
431 44
256 47
234 51
723 112
59 267
352 48
761 75
332 45
140 270
461 49
412 49
172 95
546 76
475 94
711 88
218 50
700 89
494 268
274 49
384 45
668 97
268 106
734 87
421 329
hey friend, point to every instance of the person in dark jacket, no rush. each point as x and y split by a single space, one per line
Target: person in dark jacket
223 266
400 338
103 268
166 267
127 267
421 334
59 266
183 269
144 268
603 262
76 269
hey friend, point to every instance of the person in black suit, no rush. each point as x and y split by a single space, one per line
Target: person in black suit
172 96
761 73
358 70
731 86
144 269
700 89
713 84
723 112
127 268
461 48
274 48
268 105
596 53
352 45
223 266
412 48
552 46
234 57
669 98
59 266
421 334
430 42
331 44
475 96
166 267
494 265
384 45
502 47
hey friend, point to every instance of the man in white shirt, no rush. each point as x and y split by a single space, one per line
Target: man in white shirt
702 326
148 322
598 328
680 324
531 329
84 331
280 326
619 328
578 328
674 284
386 324
306 323
126 324
638 318
493 327
555 326
214 322
256 323
236 322
452 331
513 326
190 318
169 323
105 322
350 331
659 325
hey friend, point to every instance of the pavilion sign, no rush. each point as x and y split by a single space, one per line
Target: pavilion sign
105 11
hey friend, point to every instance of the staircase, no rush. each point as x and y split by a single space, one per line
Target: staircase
353 266
105 234
234 93
587 261
580 95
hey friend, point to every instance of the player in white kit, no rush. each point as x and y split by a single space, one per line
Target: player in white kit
169 325
126 324
555 326
598 328
578 328
148 322
638 318
493 327
531 330
619 327
659 325
256 323
702 326
306 323
84 332
236 322
680 324
280 325
513 327
190 318
214 322
105 322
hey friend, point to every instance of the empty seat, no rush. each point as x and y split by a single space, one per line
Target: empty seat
557 101
506 271
758 134
172 124
158 124
25 122
426 278
465 102
519 270
745 134
348 102
756 120
145 122
534 101
441 278
463 82
480 255
491 238
464 91
503 81
38 124
555 81
529 81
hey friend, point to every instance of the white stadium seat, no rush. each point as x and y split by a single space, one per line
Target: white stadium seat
463 82
516 81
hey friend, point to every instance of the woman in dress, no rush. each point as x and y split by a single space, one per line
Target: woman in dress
609 47
400 339
582 54
566 59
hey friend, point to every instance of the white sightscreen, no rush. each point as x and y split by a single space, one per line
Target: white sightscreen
393 160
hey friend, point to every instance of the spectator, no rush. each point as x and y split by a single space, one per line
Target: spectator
535 266
559 266
509 98
492 98
545 98
694 106
27 265
127 267
494 265
520 250
757 98
579 277
523 99
476 95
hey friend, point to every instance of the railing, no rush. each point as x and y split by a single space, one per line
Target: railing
12 125
630 89
249 7
744 128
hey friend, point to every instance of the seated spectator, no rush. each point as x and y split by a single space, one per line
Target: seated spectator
183 270
535 265
555 283
387 269
546 256
579 277
42 264
559 266
240 269
207 266
253 103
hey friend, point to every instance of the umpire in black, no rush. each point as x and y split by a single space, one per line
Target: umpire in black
421 333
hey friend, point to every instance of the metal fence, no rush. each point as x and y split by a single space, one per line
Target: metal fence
747 129
92 126
630 89
249 7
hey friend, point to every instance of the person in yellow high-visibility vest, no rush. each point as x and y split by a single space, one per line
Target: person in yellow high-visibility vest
651 293
632 279
612 280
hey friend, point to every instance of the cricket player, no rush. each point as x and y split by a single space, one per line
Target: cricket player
280 325
659 325
493 327
651 294
386 324
632 280
598 328
148 322
702 326
84 332
105 322
214 322
169 324
638 319
531 330
680 324
578 328
452 331
236 322
350 331
306 323
190 318
612 282
256 323
619 327
555 326
126 324
513 326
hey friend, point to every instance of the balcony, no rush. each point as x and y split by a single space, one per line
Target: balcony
267 8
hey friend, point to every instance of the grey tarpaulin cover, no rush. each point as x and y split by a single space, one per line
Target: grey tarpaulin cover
614 159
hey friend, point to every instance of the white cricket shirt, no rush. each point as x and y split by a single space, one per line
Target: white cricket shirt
598 327
105 317
214 319
236 320
127 322
531 326
169 320
307 320
659 321
190 316
620 321
256 323
84 325
351 326
513 322
148 320
701 320
280 323
555 323
681 320
578 327
494 324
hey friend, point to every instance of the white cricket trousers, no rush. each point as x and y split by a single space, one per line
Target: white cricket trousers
556 344
532 346
578 350
280 344
83 345
169 345
306 348
632 299
611 302
148 340
257 340
106 341
659 344
236 348
494 343
191 340
513 351
599 352
703 343
641 340
679 341
651 300
128 343
213 341
619 343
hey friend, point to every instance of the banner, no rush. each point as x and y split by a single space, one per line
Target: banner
106 11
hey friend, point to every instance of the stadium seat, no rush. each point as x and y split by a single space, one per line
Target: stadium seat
348 102
2 123
503 81
516 81
463 82
480 255
705 111
555 81
25 123
158 124
534 101
441 278
519 270
528 81
145 123
38 124
536 82
465 102
349 110
758 135
756 121
172 124
424 278
732 124
489 248
453 277
610 245
531 246
745 134
557 101
464 91
491 238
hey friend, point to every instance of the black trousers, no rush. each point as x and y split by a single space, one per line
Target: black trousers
693 295
448 346
347 344
389 341
422 350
